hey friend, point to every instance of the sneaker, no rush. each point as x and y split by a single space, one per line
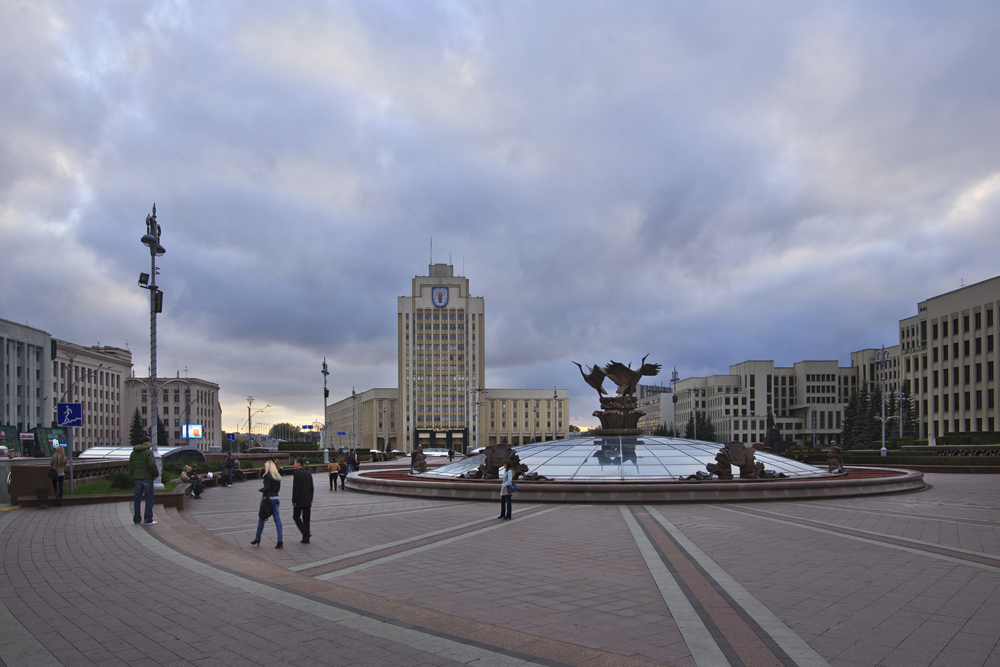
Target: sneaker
150 523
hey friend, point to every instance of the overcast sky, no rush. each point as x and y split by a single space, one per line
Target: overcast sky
705 182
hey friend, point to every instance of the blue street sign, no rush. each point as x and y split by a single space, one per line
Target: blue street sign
69 414
341 433
231 437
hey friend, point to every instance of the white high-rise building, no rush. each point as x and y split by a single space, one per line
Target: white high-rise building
441 353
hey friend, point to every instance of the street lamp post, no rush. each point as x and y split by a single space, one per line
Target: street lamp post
813 410
326 395
250 400
354 430
151 239
385 429
881 357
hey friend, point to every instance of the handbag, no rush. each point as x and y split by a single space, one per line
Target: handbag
266 509
511 488
53 474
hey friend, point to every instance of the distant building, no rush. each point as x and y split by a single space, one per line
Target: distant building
367 420
25 376
949 359
806 398
522 416
93 377
656 403
188 407
441 400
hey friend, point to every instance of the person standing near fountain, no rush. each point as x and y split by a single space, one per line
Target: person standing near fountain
505 492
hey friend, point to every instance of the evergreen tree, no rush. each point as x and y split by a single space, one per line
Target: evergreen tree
161 433
848 430
135 429
874 423
706 429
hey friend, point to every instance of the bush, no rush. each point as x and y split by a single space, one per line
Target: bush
298 446
120 480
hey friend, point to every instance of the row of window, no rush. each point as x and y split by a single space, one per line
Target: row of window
968 404
977 323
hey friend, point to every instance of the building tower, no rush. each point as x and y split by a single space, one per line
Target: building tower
441 360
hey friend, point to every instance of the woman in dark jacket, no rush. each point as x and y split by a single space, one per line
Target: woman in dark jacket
272 484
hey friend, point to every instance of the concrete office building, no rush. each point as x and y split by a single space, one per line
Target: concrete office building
93 377
656 403
182 402
949 357
25 376
522 416
805 399
441 360
367 420
441 400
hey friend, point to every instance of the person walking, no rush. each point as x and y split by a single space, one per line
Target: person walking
302 498
505 490
272 484
57 471
142 467
230 463
334 470
343 472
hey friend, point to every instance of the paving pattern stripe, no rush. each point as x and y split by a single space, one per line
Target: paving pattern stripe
749 641
701 642
788 641
305 567
952 554
909 515
18 646
229 530
370 624
175 532
341 569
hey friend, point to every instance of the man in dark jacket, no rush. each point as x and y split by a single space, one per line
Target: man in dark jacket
229 465
142 467
302 499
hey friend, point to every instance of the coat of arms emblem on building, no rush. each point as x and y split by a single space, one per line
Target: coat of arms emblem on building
439 296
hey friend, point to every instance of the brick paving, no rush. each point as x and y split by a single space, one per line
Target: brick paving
910 579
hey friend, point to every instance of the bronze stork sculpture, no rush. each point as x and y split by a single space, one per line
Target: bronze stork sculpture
595 378
619 414
626 378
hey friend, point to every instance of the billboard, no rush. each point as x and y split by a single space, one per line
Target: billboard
191 430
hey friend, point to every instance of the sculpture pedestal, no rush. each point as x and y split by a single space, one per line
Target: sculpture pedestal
619 416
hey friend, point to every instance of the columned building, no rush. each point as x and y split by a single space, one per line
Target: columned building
25 376
366 419
94 377
949 358
441 360
189 408
521 416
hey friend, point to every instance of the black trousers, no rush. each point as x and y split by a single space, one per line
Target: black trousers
301 517
505 506
342 478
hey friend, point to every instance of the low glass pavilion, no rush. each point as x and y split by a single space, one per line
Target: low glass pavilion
624 458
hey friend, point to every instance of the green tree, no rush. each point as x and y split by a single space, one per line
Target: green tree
666 430
161 433
573 428
136 431
706 429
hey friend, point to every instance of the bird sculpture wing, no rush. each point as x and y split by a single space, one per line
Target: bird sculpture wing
650 369
621 374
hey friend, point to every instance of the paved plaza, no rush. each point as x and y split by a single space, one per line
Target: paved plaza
908 580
